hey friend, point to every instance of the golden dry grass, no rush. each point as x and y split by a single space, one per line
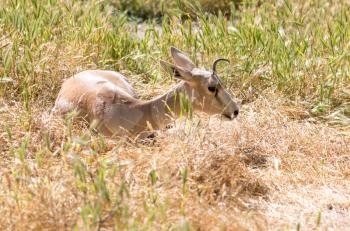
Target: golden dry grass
263 171
282 165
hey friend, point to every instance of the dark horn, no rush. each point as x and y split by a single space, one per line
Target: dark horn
216 62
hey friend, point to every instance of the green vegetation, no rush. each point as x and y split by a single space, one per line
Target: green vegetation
299 50
60 175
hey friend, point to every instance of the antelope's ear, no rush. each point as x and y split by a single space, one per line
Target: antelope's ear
181 59
176 71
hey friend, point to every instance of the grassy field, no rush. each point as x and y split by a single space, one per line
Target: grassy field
282 165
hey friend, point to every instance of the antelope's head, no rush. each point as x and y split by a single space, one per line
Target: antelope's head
205 88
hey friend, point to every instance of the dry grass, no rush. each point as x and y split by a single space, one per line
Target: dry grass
283 164
262 171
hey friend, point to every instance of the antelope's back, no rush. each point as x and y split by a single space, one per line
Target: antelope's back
80 91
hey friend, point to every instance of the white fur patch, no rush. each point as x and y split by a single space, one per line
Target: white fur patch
63 106
201 72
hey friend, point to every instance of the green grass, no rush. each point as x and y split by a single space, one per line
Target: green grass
298 51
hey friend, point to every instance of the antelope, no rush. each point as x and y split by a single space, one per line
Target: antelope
108 99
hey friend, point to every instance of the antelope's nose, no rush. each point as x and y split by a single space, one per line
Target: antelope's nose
236 113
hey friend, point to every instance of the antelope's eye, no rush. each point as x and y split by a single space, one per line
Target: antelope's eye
212 89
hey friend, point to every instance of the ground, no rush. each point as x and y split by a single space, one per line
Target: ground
283 164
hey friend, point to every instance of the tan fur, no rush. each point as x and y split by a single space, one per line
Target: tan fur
108 99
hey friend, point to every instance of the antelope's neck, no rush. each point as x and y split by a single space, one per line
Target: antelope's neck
163 109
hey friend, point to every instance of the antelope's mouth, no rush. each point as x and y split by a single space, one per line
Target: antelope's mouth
228 117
